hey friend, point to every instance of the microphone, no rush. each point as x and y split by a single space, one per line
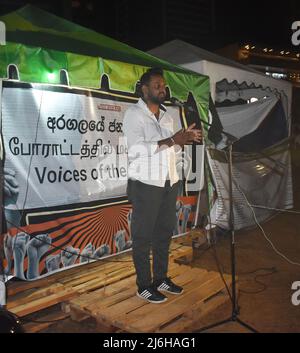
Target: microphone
178 103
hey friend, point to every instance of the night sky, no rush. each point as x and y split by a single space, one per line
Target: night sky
265 22
260 22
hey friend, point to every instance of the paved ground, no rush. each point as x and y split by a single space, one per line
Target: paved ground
265 278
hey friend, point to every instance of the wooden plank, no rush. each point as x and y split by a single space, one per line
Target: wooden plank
33 295
22 287
101 269
91 276
180 251
204 306
188 275
104 292
110 301
200 309
120 309
63 275
100 278
79 279
78 315
42 303
184 323
14 288
97 283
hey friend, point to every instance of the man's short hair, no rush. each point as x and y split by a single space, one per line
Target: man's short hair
146 77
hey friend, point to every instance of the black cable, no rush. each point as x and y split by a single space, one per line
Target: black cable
272 271
221 269
258 269
254 292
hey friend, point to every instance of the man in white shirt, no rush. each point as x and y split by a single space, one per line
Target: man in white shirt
153 184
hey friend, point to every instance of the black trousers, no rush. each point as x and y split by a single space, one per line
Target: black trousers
152 224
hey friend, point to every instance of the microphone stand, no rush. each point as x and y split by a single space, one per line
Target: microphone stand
235 309
230 141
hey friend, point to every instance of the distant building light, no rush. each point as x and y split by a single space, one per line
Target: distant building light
253 47
247 46
265 49
287 52
282 52
270 50
277 75
298 55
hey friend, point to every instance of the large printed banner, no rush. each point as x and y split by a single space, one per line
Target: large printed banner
63 146
65 177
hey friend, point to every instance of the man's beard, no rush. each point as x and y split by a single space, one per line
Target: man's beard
157 99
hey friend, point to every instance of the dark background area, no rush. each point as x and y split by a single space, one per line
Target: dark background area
210 24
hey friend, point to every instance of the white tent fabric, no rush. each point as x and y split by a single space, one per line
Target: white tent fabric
220 70
259 179
243 119
217 73
245 94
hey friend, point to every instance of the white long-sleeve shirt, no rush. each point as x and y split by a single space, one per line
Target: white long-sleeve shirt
142 130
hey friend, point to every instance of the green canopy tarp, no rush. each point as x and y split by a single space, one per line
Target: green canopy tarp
41 44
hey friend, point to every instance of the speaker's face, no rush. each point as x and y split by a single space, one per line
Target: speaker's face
155 91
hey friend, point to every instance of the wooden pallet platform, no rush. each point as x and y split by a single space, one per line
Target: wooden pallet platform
26 298
117 305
